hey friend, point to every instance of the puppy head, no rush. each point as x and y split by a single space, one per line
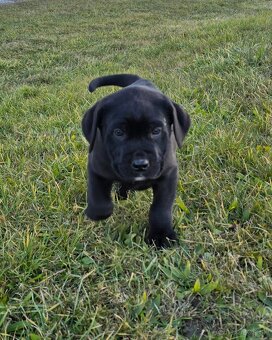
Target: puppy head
136 126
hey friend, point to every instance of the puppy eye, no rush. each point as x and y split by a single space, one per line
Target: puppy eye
157 131
118 132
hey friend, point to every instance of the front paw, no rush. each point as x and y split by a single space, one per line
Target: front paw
162 239
99 213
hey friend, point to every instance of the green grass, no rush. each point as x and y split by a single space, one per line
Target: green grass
62 277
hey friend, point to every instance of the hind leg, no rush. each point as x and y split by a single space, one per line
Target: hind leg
122 191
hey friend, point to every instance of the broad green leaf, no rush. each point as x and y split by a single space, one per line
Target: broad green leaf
243 334
246 215
182 205
180 187
266 300
28 297
86 261
197 286
144 297
182 294
177 273
209 287
157 300
16 326
187 269
233 205
260 262
33 336
138 309
166 271
155 304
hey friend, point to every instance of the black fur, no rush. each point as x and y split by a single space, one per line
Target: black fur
133 134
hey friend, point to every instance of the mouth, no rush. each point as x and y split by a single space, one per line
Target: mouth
139 178
124 173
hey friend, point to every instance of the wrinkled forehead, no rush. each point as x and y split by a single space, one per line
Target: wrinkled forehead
137 106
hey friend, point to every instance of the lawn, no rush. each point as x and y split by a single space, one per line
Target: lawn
63 277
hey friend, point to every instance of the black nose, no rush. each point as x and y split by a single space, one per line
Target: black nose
140 164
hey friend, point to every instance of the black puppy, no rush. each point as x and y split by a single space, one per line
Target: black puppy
133 135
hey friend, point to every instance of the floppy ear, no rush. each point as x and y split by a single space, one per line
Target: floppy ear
90 124
181 123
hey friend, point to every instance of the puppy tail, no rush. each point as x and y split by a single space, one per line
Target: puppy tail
121 80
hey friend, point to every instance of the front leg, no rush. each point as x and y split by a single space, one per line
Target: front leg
160 216
100 205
